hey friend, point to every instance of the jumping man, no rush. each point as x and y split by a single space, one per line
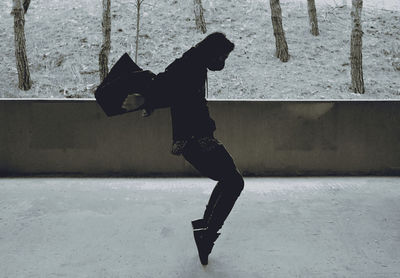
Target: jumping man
182 88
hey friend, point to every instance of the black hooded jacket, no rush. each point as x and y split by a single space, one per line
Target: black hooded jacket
182 88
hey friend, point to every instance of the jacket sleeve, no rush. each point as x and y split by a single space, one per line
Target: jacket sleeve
161 92
177 83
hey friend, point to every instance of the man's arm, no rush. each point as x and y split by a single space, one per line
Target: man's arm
162 91
177 83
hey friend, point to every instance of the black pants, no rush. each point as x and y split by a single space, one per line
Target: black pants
218 165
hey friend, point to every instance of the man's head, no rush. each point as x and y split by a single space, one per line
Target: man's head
215 48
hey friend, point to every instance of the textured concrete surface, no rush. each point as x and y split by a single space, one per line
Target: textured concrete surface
128 227
265 138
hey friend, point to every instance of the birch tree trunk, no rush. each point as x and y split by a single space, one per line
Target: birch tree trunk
199 16
312 14
24 79
138 6
282 51
106 46
357 80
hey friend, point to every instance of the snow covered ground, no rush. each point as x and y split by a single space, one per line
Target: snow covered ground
64 37
136 227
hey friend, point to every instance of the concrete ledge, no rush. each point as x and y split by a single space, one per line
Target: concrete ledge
265 138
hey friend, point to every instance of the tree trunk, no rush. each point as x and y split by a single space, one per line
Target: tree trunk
199 16
24 79
312 14
281 46
106 46
138 5
357 79
26 5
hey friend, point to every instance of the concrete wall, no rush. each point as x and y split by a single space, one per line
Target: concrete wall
264 137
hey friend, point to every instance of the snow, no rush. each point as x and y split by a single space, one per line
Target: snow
140 227
64 37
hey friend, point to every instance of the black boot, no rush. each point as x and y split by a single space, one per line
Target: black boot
204 239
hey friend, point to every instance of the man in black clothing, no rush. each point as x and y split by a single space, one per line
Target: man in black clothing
182 88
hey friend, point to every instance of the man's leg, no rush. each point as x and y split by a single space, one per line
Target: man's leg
216 164
215 196
222 200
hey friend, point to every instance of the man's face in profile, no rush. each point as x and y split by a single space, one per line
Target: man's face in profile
217 63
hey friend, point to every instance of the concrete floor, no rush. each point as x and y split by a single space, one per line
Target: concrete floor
131 227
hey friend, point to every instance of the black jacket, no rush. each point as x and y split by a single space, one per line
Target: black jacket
182 88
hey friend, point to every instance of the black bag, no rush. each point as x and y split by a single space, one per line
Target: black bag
124 78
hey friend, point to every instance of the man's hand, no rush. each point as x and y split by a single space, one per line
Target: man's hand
133 102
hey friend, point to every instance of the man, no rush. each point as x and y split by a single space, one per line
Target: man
182 88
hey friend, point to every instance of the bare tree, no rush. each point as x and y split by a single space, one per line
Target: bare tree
138 6
357 79
106 46
199 16
282 51
312 14
24 79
